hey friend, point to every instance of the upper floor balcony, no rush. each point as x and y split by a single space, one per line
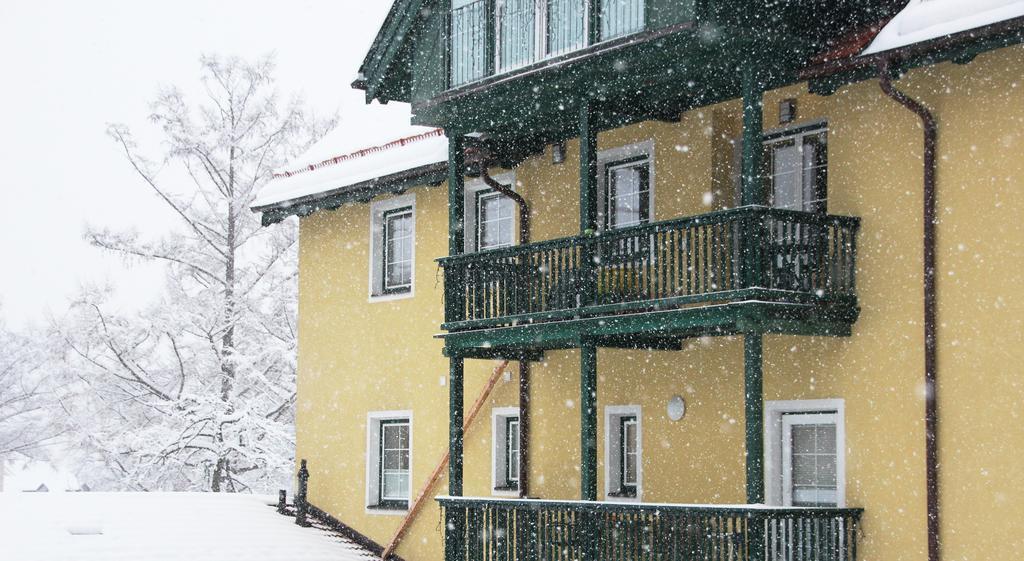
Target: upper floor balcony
490 37
748 268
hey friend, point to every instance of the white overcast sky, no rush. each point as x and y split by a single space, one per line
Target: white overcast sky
70 67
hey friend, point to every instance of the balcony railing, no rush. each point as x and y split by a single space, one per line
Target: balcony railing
531 530
496 36
731 255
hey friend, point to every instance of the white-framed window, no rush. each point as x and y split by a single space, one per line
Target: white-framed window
392 247
388 461
505 450
496 223
795 166
623 452
490 216
626 185
805 456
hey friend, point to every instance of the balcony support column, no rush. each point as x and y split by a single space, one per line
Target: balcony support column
588 201
753 188
456 192
524 429
453 278
588 422
455 518
753 398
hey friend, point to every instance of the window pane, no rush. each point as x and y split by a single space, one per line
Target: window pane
512 450
394 460
495 221
621 17
628 195
787 176
798 171
395 485
813 464
565 25
629 451
468 33
398 245
517 32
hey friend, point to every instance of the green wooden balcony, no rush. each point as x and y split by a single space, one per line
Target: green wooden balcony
484 529
720 262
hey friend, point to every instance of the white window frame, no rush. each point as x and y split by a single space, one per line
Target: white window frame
774 448
499 462
612 427
471 218
373 423
376 266
612 155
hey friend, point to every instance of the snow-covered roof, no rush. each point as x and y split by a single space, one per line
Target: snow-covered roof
333 164
923 20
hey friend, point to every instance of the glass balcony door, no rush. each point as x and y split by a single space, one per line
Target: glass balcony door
528 31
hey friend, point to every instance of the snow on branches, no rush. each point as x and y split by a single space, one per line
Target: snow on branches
197 391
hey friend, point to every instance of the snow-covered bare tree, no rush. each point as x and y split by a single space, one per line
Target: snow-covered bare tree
197 391
25 395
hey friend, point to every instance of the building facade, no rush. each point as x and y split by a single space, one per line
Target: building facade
722 337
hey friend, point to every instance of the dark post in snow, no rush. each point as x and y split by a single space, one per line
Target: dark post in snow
300 497
282 501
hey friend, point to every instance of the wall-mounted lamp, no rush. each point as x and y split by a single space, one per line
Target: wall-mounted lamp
787 111
558 153
676 407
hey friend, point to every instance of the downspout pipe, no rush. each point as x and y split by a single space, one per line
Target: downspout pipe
524 366
931 416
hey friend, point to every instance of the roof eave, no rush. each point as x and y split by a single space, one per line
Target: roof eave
932 51
386 46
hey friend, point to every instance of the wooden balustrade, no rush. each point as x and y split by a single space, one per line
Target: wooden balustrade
743 253
537 530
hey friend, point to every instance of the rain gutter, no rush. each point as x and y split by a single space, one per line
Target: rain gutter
931 413
524 365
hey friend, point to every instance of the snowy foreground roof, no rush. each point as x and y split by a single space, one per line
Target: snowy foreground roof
159 527
328 168
923 20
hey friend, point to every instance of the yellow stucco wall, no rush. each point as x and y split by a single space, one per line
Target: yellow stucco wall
356 356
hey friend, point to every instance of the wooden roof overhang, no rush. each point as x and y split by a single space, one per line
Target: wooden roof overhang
827 76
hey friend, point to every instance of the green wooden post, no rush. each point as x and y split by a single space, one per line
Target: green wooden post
754 412
588 422
456 192
753 187
588 201
753 399
455 518
454 299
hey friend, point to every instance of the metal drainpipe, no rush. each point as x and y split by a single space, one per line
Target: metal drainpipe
931 415
524 366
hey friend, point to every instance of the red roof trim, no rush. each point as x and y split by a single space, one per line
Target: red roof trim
363 152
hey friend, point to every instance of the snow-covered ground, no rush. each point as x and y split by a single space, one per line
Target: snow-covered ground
158 527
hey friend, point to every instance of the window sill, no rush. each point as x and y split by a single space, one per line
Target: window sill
626 495
506 488
393 508
389 296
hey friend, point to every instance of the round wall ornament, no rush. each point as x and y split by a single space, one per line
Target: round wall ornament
676 407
